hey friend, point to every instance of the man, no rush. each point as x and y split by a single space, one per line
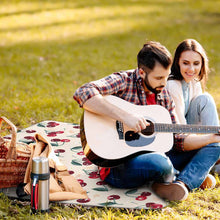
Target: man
146 86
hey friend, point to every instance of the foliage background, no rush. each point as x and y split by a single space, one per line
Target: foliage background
48 48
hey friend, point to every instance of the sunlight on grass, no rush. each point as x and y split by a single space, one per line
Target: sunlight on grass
51 47
75 23
67 43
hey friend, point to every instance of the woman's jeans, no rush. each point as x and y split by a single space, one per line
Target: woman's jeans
195 165
141 169
202 111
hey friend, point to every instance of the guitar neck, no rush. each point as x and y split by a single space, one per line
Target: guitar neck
177 128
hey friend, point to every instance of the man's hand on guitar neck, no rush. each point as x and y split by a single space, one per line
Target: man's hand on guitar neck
99 105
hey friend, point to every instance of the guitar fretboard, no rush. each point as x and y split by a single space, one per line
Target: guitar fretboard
176 128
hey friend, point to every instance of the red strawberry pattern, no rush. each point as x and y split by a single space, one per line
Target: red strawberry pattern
65 140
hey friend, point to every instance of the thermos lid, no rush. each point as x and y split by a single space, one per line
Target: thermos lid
40 165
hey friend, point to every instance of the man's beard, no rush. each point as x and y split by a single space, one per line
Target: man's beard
154 90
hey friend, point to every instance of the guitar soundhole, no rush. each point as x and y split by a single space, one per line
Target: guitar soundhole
131 136
149 130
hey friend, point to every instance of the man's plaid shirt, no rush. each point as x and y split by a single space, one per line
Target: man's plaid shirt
128 85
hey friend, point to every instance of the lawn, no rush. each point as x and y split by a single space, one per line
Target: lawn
48 48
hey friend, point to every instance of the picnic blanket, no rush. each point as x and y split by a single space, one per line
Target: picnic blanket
65 140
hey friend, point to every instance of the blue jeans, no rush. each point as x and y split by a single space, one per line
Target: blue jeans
140 170
202 111
194 165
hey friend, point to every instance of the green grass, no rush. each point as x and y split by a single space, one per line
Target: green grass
48 48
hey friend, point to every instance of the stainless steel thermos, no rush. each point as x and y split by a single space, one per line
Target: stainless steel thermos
40 175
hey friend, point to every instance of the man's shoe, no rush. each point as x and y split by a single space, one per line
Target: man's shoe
174 191
209 182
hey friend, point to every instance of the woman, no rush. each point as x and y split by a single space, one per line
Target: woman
188 72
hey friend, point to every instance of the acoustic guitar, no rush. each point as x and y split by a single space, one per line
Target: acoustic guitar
107 142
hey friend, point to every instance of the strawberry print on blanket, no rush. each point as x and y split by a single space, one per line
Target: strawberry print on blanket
65 140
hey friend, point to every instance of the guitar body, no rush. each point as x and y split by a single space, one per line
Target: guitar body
107 142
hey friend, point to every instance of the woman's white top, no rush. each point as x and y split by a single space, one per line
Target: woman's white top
182 94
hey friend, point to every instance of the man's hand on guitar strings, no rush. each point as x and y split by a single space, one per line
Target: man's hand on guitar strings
136 122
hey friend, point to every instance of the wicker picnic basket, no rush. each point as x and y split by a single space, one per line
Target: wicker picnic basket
14 157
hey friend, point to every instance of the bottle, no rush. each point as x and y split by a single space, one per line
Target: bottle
40 175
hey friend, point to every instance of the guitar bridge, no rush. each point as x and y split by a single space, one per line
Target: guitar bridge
120 129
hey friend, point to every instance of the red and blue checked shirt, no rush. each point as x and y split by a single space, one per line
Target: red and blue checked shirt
128 85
